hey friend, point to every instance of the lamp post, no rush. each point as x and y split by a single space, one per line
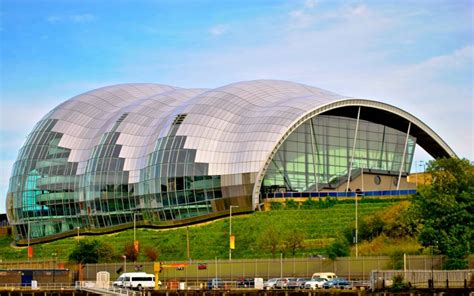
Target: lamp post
134 227
422 164
230 231
78 229
54 266
124 263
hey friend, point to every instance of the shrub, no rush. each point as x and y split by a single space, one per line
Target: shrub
86 251
339 248
291 204
151 253
130 251
276 205
399 283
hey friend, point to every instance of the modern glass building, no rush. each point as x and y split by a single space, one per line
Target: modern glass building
171 156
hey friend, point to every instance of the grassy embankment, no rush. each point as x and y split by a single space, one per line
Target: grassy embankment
207 240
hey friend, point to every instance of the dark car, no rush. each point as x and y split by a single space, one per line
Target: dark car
245 283
338 283
295 283
215 283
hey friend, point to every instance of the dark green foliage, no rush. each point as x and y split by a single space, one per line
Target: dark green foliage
446 209
276 205
399 284
455 263
397 261
339 248
291 204
371 228
309 204
91 251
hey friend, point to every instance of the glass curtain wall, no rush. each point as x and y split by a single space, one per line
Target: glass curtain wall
317 154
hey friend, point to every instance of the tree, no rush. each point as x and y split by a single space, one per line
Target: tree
270 240
151 253
86 251
293 240
446 210
130 251
339 248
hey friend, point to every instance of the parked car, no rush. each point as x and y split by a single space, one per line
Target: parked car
215 283
282 283
245 283
338 283
295 283
270 284
315 283
136 280
325 275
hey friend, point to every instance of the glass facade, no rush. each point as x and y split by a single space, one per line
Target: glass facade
317 154
169 156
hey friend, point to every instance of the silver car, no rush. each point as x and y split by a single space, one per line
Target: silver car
270 284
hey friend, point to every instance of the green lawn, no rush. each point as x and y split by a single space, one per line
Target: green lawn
208 240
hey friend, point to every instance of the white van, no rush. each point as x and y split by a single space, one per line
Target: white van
135 280
324 275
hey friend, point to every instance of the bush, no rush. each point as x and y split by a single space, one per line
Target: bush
455 263
339 248
396 260
309 204
87 251
399 283
151 253
130 251
276 205
291 204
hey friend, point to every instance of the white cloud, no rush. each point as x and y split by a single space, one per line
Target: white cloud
218 30
72 18
310 3
359 10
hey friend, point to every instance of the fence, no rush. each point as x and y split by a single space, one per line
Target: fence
198 270
425 278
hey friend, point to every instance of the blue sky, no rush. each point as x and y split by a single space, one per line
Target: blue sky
417 55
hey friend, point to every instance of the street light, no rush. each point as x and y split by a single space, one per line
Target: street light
134 227
78 229
230 231
54 266
124 263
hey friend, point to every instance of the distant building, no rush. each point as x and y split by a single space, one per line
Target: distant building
169 156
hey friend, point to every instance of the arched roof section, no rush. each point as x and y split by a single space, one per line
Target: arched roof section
372 111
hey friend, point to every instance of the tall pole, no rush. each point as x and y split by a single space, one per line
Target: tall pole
230 231
124 263
281 264
353 151
134 227
356 217
403 156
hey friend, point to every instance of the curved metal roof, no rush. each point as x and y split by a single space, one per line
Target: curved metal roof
234 128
